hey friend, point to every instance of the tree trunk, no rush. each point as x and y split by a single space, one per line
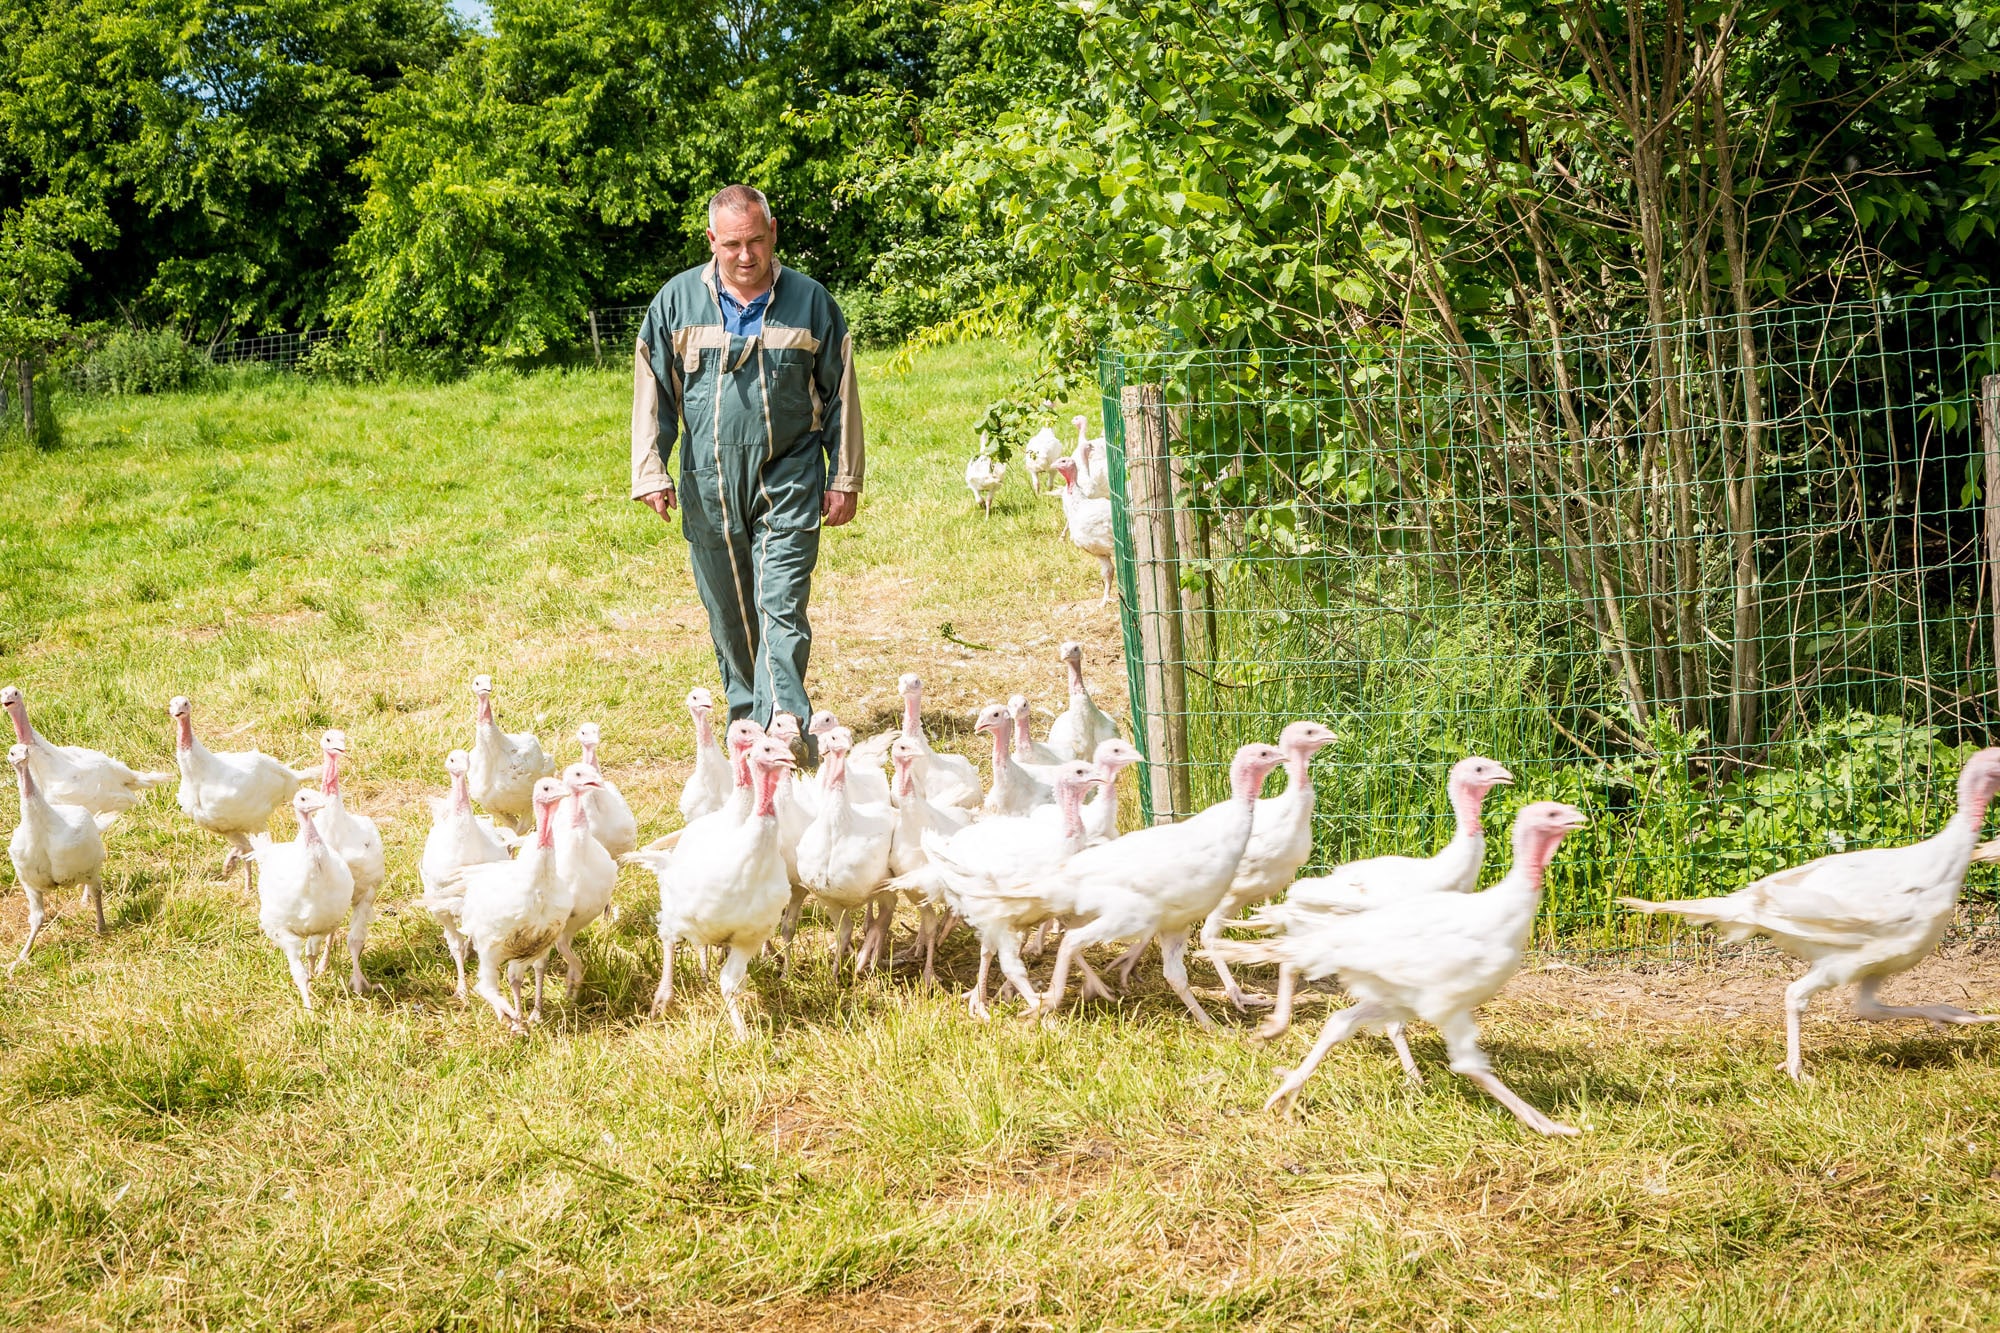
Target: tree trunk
1746 624
26 369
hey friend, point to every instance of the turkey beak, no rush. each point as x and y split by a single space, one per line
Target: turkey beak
1505 779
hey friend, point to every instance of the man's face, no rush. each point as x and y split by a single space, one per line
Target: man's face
743 243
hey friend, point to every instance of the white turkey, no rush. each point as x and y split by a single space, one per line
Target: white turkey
1013 792
1159 882
983 475
844 856
456 839
946 779
980 870
1028 751
916 816
798 803
736 743
1437 957
1100 820
355 839
1355 885
232 793
794 791
304 889
73 775
794 815
1093 461
708 786
1280 842
1861 916
1079 729
54 846
1039 456
865 783
1100 817
585 867
505 767
724 885
1088 521
512 912
611 819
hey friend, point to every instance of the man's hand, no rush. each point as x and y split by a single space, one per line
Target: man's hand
660 502
836 507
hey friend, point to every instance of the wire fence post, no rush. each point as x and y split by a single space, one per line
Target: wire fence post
596 343
1151 514
1989 429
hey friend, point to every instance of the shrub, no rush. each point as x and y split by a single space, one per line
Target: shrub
137 361
878 318
343 360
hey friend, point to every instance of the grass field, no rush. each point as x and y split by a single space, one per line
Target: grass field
184 1147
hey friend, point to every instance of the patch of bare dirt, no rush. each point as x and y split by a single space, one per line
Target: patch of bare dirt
800 1126
1748 986
868 629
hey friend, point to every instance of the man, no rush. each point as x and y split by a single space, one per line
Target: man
750 363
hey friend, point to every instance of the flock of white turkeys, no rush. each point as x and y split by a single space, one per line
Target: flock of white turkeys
1031 846
1080 478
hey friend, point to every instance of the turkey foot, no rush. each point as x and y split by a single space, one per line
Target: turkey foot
1523 1112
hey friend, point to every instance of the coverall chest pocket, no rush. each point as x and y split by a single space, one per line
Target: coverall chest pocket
789 380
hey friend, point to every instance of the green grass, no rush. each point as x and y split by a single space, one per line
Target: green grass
183 1146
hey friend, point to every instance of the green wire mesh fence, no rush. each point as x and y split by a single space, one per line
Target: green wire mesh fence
1728 585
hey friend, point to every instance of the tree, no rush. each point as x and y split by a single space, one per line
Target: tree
493 180
38 241
565 161
214 137
1562 218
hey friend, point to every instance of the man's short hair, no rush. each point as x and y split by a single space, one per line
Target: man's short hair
739 199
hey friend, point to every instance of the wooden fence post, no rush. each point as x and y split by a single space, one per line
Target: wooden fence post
1989 430
1150 519
596 343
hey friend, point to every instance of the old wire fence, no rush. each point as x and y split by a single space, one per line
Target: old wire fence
607 334
1728 585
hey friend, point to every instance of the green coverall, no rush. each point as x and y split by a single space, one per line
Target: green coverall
769 423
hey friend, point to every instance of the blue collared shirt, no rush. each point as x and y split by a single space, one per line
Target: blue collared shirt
745 321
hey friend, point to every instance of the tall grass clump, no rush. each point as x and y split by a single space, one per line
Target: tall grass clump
1490 670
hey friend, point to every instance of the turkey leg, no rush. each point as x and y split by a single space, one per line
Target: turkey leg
1868 1007
1340 1025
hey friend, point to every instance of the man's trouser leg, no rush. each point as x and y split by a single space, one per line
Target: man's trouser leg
726 579
785 558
